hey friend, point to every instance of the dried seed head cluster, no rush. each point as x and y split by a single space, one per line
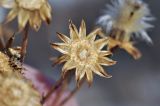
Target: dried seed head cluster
125 18
32 11
10 61
4 63
15 91
83 53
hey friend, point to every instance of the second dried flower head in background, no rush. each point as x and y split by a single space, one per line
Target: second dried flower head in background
125 19
28 11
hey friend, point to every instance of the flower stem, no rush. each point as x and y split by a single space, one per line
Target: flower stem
75 90
61 91
10 42
53 89
1 43
24 43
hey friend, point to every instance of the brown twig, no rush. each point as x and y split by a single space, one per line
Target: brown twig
1 44
24 43
60 92
72 93
10 42
2 41
53 89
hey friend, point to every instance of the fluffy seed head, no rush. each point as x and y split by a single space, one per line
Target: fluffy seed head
130 16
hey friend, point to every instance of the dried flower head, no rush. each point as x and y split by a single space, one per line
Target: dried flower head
4 63
32 11
15 91
83 53
125 18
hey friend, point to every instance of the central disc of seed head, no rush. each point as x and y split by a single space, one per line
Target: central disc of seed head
15 92
83 53
30 4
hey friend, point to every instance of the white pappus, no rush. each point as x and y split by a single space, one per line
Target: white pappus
131 16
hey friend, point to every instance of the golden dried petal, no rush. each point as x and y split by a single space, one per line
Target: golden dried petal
89 76
64 38
106 61
35 20
112 43
11 15
80 72
73 31
61 59
82 30
100 71
23 17
69 65
61 47
92 36
7 3
128 46
101 43
104 53
45 13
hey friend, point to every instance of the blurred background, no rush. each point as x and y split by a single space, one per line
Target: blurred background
134 83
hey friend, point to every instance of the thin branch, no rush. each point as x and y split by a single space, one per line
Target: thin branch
60 92
10 42
2 43
71 94
53 89
101 34
24 43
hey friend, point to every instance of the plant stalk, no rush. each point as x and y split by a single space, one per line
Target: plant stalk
24 43
75 90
